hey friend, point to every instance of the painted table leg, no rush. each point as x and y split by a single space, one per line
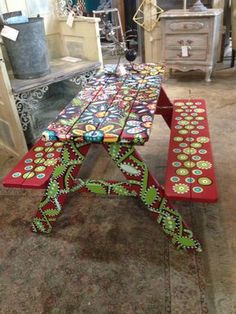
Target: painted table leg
151 194
109 187
164 107
62 182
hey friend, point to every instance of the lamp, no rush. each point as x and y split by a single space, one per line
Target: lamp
198 7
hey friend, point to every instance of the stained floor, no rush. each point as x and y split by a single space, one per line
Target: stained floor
106 255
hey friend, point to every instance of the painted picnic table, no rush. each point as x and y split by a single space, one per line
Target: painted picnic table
116 112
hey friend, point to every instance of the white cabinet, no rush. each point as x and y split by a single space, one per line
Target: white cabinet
190 40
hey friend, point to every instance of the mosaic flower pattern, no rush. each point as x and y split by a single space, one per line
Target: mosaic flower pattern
181 188
128 102
96 113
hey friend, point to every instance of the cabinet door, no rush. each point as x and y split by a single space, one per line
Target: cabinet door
11 134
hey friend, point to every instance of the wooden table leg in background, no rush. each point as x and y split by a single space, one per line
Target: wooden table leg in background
164 107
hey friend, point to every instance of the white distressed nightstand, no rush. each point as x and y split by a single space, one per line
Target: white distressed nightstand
190 40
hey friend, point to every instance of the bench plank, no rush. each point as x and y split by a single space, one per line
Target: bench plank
35 168
190 171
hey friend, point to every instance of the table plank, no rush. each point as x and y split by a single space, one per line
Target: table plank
139 122
62 125
95 113
133 91
116 116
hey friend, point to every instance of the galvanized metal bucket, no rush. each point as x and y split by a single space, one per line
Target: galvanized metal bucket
29 54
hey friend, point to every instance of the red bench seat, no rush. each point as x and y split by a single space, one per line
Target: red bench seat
35 168
190 169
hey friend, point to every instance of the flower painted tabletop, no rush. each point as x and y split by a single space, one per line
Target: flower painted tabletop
112 108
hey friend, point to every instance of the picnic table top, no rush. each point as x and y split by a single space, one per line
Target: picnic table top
112 108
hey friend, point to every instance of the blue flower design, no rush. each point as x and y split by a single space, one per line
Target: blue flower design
97 113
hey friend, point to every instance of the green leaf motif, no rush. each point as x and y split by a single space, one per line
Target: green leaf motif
96 188
185 242
169 224
130 169
114 150
151 195
66 155
51 212
58 171
38 224
133 115
53 189
120 190
69 122
76 101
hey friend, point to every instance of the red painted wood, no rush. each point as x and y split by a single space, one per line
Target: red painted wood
190 171
164 107
35 168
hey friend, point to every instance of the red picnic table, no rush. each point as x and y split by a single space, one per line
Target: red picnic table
117 112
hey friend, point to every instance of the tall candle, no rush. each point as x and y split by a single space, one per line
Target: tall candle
185 4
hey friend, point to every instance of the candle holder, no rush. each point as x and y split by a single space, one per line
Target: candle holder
198 7
185 5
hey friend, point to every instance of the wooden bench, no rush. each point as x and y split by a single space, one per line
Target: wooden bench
190 168
35 168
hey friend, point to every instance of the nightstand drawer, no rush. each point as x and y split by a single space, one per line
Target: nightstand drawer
194 55
193 40
187 25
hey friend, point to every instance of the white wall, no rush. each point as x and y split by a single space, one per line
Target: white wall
45 8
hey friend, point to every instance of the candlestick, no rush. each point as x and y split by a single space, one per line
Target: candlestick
185 4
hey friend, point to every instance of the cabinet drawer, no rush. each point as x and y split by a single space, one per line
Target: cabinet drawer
194 55
194 40
188 25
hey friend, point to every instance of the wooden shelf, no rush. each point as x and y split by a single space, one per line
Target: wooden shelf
59 70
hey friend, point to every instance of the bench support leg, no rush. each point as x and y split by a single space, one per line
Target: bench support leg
62 182
151 193
164 107
140 183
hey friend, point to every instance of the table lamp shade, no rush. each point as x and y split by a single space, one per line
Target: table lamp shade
198 7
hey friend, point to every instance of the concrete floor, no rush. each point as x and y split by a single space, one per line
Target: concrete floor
106 255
